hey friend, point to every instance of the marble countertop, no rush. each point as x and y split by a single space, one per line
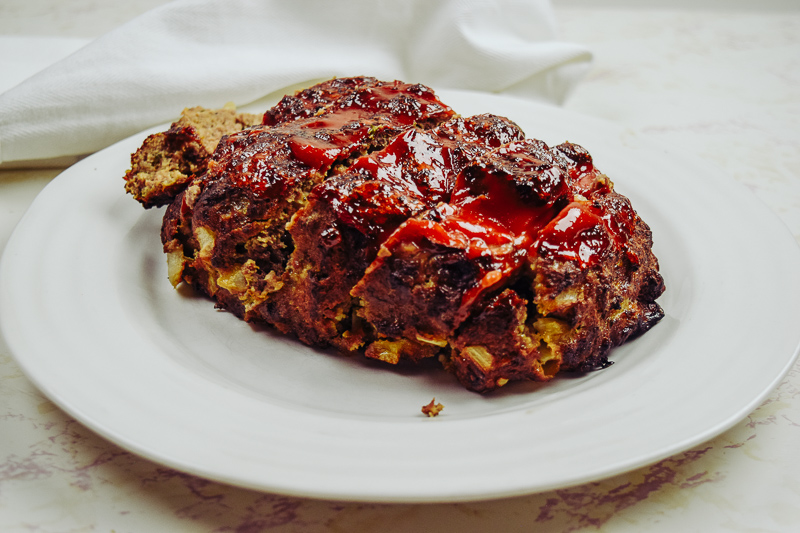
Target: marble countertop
714 80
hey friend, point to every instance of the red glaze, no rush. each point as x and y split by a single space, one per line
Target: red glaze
406 103
308 101
497 209
373 207
327 139
516 190
406 157
584 232
416 171
577 234
266 159
584 178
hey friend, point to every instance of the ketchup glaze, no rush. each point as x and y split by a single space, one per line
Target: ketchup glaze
517 201
266 159
414 172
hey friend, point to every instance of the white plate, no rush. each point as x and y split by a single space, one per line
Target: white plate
90 316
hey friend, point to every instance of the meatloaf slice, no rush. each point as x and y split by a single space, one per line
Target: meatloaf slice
167 161
535 266
434 269
337 234
230 239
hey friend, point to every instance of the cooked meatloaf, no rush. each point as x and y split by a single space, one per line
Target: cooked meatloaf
167 161
367 215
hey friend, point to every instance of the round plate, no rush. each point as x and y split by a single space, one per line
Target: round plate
89 314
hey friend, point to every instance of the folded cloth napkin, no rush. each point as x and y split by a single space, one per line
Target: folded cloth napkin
22 56
209 52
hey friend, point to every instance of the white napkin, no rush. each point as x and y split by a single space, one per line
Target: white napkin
22 56
209 52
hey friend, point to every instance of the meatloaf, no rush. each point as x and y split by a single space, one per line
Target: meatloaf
370 216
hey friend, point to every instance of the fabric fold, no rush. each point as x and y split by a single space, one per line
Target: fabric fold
209 52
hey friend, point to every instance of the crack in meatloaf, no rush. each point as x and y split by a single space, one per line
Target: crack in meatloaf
369 216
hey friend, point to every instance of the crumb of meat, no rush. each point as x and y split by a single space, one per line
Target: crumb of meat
432 409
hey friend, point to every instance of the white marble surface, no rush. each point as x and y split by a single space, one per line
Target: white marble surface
718 82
